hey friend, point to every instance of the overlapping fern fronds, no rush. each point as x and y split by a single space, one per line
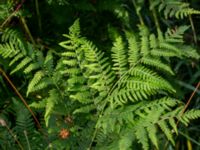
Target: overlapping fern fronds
174 8
129 93
135 80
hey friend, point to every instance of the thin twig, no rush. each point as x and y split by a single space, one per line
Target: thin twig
184 109
189 138
38 15
11 15
26 136
27 30
138 13
188 102
20 96
155 17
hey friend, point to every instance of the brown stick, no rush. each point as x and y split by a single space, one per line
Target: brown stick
11 15
184 109
188 102
20 96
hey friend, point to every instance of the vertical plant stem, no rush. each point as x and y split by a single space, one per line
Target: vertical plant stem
138 12
189 138
38 15
28 143
155 17
27 30
193 29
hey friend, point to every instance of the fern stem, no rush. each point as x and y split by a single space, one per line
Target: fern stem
189 138
38 15
138 13
15 138
193 29
27 30
155 17
28 143
20 96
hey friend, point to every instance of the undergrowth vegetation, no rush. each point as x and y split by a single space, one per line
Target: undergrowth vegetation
105 75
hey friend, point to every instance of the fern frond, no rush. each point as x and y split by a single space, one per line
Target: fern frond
38 105
11 35
42 84
8 50
163 53
151 129
16 58
133 49
177 9
142 136
84 109
31 67
51 101
22 64
189 115
119 57
156 62
165 128
36 79
144 34
145 73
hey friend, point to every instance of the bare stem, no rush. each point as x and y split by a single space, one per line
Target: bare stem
27 30
138 13
38 15
155 17
193 29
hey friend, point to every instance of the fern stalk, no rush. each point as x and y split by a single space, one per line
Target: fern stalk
27 30
38 15
28 143
193 29
189 138
138 13
155 17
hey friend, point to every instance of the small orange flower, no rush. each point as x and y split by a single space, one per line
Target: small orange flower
64 134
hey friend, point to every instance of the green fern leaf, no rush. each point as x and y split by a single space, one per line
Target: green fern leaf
165 128
155 62
51 101
141 135
151 129
22 64
36 79
119 56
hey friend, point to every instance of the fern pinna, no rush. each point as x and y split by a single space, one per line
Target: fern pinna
128 96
